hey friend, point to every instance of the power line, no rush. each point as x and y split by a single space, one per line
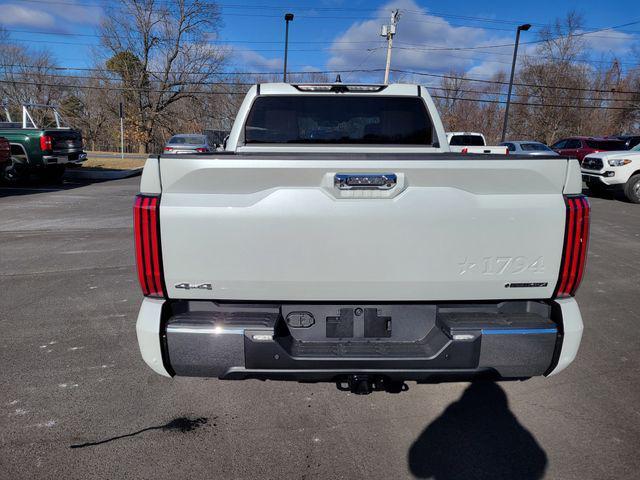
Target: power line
580 89
264 50
93 69
527 95
58 42
479 49
94 35
192 93
419 46
429 87
357 70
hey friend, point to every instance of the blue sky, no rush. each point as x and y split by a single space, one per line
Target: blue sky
340 34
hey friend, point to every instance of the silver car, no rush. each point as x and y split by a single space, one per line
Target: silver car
188 143
528 147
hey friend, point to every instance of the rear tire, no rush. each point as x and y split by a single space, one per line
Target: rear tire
15 172
632 189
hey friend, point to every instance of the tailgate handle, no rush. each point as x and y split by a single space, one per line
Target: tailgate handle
365 181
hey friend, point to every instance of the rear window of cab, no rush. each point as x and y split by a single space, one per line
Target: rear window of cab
339 119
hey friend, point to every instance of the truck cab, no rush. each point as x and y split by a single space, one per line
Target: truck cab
472 142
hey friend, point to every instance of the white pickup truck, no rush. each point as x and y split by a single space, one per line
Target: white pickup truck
338 239
472 142
617 170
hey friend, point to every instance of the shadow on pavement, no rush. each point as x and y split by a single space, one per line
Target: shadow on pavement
35 186
180 424
617 195
477 437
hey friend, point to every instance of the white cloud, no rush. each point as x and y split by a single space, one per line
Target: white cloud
49 14
422 41
24 16
610 41
250 60
418 45
75 11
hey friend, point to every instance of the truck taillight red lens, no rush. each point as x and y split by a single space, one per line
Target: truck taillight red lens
576 239
146 227
46 143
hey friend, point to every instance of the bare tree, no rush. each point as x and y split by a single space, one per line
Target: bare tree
27 77
555 76
161 53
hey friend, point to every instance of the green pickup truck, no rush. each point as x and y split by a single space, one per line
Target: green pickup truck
42 150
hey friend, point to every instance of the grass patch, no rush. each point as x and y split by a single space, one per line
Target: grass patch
113 163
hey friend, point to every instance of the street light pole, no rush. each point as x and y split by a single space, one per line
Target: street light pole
524 27
287 18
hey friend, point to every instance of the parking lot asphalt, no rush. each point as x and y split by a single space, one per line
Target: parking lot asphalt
77 401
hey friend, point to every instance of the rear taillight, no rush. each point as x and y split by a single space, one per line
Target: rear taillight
46 143
576 239
168 149
146 228
464 150
201 150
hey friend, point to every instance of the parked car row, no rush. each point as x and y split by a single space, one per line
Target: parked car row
579 147
608 163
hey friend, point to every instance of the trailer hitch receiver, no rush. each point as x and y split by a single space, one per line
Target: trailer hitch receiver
365 384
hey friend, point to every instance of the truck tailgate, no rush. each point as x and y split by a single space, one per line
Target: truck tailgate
279 228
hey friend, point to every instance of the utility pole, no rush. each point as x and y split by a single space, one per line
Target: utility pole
389 31
287 18
121 131
521 28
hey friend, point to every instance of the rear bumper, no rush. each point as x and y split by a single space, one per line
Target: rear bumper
63 158
419 342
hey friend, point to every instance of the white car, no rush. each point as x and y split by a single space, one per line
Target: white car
472 142
338 239
614 170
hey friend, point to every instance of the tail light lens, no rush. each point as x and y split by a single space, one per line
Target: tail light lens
146 228
464 150
576 239
46 143
168 149
201 150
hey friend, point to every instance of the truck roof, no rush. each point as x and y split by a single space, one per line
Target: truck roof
303 88
464 133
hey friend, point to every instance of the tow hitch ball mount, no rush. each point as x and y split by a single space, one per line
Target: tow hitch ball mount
365 384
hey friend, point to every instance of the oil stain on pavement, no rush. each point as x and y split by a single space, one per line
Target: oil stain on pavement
180 424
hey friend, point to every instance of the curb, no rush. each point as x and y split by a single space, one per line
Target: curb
101 174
